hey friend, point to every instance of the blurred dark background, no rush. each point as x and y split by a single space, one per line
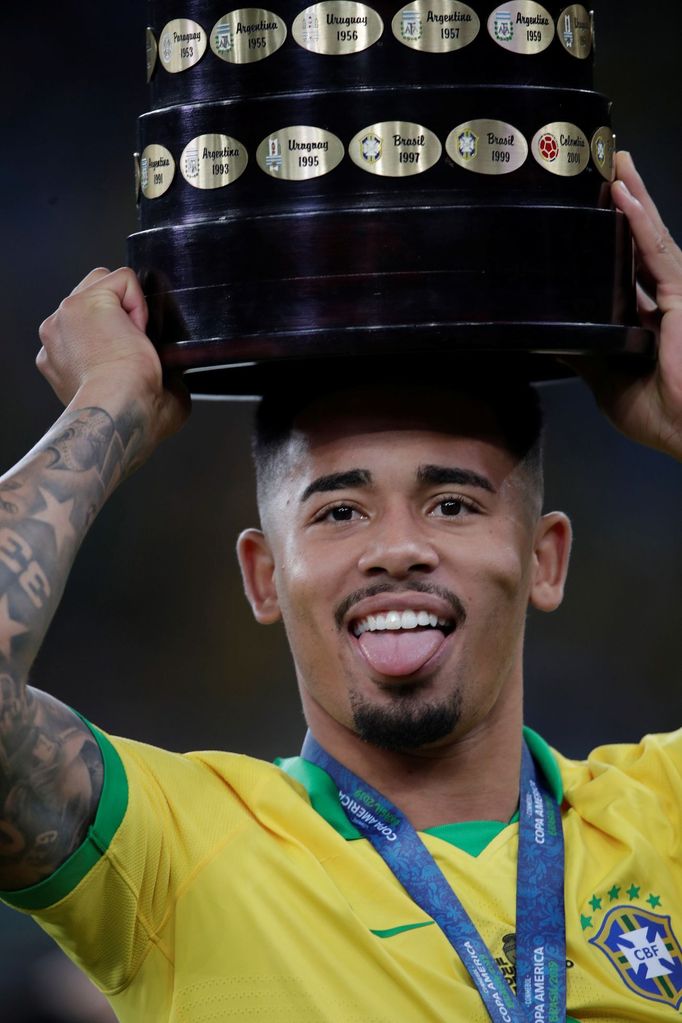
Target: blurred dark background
154 638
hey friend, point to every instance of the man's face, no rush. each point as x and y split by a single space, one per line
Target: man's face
403 543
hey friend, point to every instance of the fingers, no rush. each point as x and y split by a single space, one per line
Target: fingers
658 255
121 285
630 176
95 275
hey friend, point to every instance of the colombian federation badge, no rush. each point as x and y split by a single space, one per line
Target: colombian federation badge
644 951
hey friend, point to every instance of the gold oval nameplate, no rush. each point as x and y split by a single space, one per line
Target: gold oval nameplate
299 153
337 27
182 44
521 26
603 148
157 170
395 149
574 28
487 147
213 161
152 48
247 35
561 148
436 26
138 176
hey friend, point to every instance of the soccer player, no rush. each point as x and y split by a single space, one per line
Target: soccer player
426 858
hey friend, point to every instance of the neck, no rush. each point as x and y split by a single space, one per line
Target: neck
468 777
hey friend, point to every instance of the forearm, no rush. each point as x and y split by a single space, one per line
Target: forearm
47 503
50 769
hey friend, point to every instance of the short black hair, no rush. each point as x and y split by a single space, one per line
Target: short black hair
514 402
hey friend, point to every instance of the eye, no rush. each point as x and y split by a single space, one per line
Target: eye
454 507
339 513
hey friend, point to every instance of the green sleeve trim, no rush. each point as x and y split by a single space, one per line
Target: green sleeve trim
110 812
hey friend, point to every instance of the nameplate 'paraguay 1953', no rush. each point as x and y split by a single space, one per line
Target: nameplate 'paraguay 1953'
487 147
299 152
182 44
213 161
521 26
395 149
561 148
337 27
247 35
436 26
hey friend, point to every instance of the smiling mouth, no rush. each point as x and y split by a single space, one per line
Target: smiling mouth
400 643
401 621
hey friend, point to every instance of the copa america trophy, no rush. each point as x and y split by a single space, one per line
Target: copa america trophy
356 179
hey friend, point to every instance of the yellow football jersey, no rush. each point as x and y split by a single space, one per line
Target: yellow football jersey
213 886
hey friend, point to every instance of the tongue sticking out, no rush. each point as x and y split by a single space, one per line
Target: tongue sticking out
400 652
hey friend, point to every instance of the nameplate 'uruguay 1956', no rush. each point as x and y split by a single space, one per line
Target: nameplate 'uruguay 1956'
182 45
561 148
247 35
152 48
299 152
603 149
213 161
157 170
395 149
521 26
337 27
487 147
574 28
436 26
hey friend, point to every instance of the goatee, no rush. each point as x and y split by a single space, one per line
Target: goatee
408 723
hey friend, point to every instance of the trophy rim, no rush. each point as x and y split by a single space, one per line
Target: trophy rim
536 351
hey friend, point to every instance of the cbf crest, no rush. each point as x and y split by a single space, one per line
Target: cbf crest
643 949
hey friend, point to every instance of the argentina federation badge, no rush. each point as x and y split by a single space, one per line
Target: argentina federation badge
644 951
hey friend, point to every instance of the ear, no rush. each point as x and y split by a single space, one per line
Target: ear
552 549
258 575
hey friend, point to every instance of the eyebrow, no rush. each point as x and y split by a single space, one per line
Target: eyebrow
338 481
436 475
432 475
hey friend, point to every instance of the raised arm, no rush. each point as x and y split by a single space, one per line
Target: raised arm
100 363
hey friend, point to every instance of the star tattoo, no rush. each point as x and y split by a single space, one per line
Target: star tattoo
57 515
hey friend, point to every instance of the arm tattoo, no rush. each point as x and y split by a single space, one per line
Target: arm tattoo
50 765
50 781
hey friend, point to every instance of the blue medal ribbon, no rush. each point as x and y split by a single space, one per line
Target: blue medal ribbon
540 917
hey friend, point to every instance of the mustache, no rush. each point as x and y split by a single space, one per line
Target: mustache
414 587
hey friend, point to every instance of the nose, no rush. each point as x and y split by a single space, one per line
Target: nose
397 546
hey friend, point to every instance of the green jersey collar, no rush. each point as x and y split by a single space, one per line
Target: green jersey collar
470 836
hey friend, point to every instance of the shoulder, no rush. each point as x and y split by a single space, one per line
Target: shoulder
638 782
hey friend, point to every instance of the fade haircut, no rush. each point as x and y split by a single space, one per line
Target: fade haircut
515 404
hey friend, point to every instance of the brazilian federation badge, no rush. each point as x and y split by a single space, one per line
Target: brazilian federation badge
644 951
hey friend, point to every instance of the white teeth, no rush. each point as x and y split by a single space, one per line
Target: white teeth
393 621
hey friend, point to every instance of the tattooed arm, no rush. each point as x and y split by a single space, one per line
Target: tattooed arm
99 361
